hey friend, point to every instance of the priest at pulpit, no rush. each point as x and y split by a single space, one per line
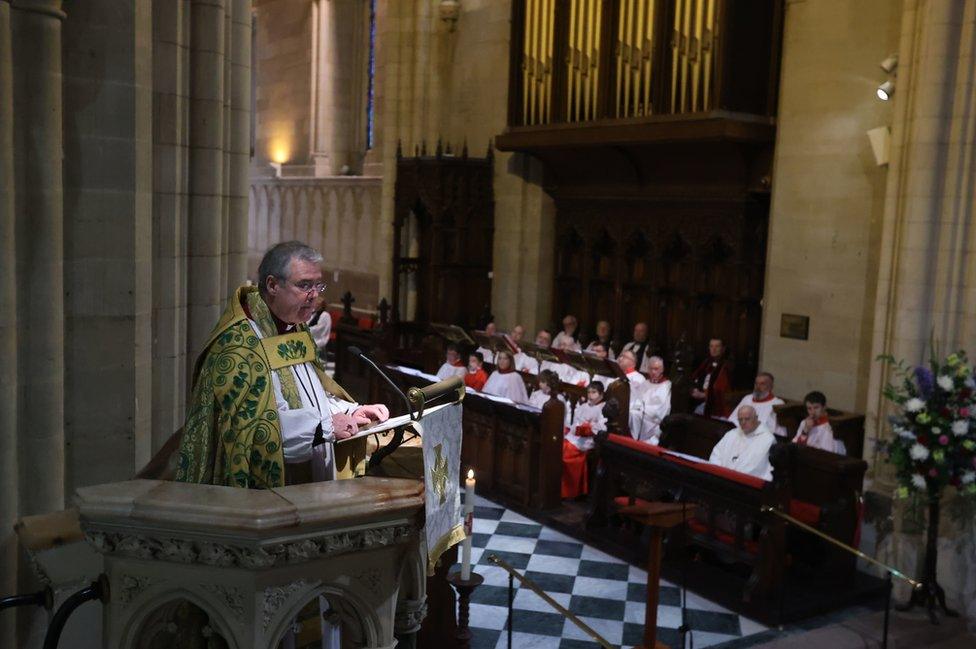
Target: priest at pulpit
262 405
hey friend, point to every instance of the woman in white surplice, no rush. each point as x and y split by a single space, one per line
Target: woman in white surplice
505 381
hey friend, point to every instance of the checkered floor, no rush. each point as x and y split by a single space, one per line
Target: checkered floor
604 592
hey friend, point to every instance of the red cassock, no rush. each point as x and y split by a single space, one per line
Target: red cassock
574 466
719 384
476 380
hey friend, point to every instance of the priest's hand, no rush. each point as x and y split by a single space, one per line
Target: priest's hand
697 394
375 412
344 426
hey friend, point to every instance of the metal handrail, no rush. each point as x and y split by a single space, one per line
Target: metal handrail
512 572
840 544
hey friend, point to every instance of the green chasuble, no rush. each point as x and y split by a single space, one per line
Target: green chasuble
232 435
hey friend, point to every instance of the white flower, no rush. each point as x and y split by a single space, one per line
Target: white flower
914 404
918 480
960 427
968 477
936 430
945 382
918 452
971 382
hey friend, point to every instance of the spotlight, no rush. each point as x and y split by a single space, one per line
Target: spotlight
886 90
890 63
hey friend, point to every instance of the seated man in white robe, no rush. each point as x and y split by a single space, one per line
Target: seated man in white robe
762 401
568 338
815 430
452 364
640 346
655 400
320 325
746 447
487 354
505 381
524 362
628 363
602 336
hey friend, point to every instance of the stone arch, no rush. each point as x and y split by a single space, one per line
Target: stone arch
156 600
358 615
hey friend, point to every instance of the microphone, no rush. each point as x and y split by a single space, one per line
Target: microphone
356 351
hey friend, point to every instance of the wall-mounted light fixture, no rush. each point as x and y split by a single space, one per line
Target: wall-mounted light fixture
886 90
449 12
890 63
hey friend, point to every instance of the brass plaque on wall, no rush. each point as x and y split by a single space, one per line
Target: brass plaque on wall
794 326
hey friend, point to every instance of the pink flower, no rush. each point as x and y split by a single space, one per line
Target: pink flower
944 439
933 473
964 412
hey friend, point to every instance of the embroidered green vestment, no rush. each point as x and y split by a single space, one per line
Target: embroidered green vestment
232 434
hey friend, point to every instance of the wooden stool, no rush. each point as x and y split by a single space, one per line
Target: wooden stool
658 517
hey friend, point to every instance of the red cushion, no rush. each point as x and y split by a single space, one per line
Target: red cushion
752 547
366 322
805 512
650 449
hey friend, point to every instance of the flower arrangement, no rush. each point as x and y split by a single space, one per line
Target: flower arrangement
934 440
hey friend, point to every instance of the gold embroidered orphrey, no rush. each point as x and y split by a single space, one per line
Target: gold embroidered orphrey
438 474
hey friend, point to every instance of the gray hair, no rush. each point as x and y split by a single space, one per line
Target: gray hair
277 260
655 359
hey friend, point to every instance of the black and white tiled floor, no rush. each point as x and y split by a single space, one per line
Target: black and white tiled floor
604 592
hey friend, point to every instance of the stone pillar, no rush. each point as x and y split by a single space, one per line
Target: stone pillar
108 171
206 172
38 152
9 491
239 146
927 276
171 72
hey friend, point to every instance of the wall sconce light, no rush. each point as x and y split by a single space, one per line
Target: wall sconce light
890 63
449 12
886 90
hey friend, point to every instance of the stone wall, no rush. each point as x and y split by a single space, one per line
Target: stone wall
438 82
336 215
828 197
124 145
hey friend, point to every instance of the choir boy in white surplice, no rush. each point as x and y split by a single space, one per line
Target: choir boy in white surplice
762 401
589 416
568 338
486 354
453 366
640 346
548 389
655 400
815 430
524 362
746 447
505 381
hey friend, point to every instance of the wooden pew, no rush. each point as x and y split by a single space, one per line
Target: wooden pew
515 450
822 489
730 499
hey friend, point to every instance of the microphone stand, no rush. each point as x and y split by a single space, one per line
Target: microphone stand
356 351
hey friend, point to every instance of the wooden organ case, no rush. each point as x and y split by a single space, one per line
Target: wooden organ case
654 121
443 234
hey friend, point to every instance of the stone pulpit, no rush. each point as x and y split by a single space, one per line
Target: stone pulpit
240 565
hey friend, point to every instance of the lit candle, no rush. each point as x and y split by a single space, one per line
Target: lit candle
468 524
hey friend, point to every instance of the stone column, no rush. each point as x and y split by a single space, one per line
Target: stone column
927 276
38 152
239 149
206 172
9 491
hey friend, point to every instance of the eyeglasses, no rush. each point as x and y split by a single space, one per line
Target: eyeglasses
307 286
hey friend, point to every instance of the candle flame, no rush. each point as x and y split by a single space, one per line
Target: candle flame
470 474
